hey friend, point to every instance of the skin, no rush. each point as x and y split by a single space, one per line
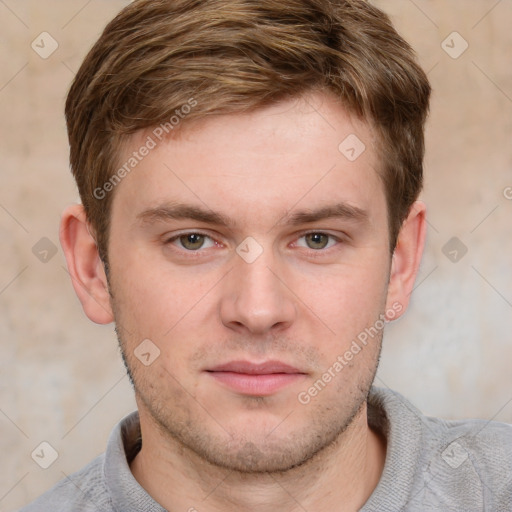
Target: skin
302 301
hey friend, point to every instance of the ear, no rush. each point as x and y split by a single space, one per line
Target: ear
84 265
406 259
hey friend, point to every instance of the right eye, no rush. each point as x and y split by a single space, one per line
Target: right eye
191 241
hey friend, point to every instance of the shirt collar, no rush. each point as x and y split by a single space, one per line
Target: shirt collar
125 492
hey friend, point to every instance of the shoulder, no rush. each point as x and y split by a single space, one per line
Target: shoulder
480 437
84 490
437 464
488 442
485 445
468 462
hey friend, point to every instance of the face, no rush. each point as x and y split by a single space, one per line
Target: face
252 253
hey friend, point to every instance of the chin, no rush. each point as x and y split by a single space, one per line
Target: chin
253 458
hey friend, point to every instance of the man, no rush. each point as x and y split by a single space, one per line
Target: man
249 173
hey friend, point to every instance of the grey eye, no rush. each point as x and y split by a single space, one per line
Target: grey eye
317 240
192 241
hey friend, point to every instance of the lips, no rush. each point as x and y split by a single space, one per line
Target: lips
255 379
248 368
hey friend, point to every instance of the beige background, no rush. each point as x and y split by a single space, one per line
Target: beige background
61 379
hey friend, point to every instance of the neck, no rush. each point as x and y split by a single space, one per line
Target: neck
340 477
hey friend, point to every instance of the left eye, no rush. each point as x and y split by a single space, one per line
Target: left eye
317 241
193 241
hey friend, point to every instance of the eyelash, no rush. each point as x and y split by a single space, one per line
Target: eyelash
192 253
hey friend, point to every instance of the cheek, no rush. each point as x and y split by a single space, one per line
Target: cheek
156 302
347 297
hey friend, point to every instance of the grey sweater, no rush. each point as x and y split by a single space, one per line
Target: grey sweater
431 465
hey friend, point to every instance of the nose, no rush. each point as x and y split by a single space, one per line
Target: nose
256 299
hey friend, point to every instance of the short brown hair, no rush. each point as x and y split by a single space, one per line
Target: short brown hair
234 56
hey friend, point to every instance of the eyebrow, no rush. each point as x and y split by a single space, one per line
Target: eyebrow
338 210
180 211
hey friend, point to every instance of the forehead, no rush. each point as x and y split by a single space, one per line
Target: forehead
306 151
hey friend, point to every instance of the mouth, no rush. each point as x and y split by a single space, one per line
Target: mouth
255 379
